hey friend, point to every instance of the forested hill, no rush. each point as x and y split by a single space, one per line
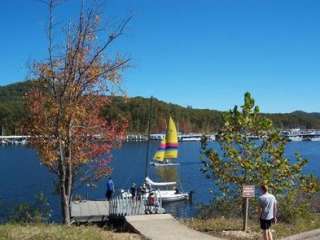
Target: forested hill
137 110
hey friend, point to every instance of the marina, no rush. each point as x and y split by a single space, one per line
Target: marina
161 136
167 120
297 135
16 140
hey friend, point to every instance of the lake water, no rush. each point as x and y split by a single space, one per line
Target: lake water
22 176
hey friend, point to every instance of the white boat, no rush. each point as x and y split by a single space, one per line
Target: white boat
315 139
166 191
295 138
190 137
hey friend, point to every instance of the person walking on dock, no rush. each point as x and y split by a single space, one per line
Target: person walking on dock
110 189
268 212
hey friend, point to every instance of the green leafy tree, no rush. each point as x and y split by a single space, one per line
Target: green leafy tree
253 152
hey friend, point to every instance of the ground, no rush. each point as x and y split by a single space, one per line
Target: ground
60 232
230 228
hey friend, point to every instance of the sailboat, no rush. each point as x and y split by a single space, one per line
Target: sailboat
168 149
165 156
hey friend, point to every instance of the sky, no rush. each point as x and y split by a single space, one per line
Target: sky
199 53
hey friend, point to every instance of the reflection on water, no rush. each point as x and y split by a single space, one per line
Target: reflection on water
167 174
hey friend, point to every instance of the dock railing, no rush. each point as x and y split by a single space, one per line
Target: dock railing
128 206
120 206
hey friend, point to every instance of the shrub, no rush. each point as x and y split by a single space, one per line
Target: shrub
295 206
37 212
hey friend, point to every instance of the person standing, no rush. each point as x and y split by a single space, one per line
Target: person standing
268 212
133 190
110 189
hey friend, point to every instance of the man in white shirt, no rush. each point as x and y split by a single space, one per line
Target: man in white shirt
268 212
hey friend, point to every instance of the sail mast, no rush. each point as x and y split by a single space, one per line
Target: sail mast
148 144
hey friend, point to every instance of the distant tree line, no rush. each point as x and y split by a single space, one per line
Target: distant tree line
12 109
137 109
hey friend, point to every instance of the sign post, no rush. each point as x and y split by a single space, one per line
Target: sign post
248 191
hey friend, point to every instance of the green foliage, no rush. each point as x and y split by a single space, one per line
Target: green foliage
221 207
253 153
11 107
291 210
136 110
217 225
37 212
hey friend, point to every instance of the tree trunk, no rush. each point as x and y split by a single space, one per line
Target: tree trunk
65 187
65 206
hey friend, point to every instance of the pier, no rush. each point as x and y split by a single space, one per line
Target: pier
157 226
160 136
4 140
85 211
136 138
297 134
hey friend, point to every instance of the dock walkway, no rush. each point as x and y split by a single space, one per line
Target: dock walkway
101 211
89 211
164 227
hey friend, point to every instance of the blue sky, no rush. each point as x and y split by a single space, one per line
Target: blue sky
203 53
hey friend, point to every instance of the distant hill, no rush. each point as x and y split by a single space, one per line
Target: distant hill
11 107
296 119
136 110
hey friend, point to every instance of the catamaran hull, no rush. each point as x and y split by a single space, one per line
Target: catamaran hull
168 196
178 197
171 196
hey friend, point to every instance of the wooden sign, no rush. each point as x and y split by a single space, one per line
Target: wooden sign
248 191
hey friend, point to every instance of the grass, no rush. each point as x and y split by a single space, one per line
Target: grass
60 232
216 226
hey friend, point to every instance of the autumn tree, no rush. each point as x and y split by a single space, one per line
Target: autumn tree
64 106
251 151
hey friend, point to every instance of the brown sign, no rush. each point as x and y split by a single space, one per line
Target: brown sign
248 191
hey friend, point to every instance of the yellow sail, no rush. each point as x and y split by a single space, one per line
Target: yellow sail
159 155
171 149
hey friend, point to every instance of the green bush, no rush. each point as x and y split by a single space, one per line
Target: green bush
221 207
37 212
294 207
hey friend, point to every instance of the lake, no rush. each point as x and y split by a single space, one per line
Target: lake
22 176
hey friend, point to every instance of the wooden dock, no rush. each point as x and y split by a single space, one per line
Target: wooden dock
101 211
89 211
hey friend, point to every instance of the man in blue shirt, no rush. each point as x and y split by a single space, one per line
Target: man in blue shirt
268 212
110 189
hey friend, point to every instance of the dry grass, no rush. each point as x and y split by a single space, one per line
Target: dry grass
217 226
60 232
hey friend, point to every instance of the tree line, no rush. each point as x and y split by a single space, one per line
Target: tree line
137 111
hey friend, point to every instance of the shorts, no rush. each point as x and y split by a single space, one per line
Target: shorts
265 224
